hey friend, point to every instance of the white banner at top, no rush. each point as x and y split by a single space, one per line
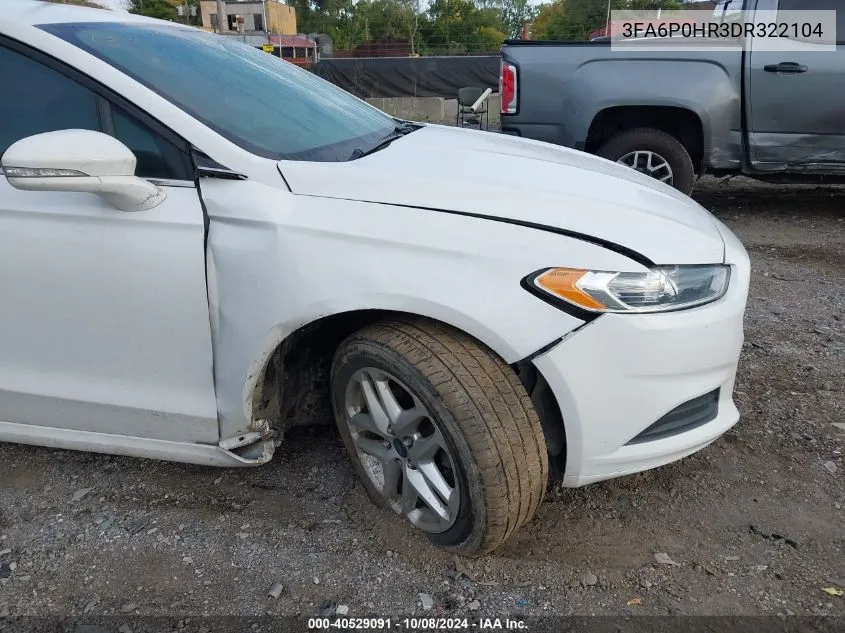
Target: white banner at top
722 30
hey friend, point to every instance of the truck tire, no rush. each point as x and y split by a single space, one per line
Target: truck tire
669 160
441 431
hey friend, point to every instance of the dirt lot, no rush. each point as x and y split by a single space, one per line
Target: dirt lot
82 533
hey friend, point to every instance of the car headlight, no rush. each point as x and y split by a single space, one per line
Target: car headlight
660 289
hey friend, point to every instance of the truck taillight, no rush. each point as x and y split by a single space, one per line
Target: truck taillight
507 88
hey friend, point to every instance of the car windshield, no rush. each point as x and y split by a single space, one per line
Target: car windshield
265 105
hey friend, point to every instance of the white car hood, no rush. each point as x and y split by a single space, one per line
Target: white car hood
505 177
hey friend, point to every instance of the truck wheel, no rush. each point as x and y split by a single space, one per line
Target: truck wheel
654 153
441 431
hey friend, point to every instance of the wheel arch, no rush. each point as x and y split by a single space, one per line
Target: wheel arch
684 124
289 385
291 373
325 324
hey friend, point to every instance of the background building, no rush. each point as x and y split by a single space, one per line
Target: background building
296 49
271 16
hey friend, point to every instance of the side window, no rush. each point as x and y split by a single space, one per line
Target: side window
819 5
38 99
156 156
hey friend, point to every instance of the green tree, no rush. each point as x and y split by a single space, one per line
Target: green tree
582 17
379 19
333 17
548 23
459 26
513 14
160 9
487 39
654 5
411 19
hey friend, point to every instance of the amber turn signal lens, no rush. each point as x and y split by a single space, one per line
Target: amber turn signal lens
562 283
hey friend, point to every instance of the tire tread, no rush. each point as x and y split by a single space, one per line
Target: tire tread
493 412
649 138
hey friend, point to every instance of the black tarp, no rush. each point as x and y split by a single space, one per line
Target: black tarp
410 76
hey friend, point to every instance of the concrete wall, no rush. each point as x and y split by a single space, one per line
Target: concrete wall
434 109
415 108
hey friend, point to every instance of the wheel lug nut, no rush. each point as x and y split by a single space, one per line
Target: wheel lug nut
386 444
408 442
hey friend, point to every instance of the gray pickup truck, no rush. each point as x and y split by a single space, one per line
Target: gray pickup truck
776 116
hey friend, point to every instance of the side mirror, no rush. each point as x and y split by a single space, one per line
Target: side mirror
80 161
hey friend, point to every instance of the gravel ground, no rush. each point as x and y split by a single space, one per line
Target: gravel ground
98 535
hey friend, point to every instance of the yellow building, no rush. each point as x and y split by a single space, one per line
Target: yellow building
270 16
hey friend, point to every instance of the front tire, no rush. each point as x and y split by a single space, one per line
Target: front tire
441 431
654 153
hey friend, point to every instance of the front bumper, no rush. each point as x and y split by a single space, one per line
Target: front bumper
617 376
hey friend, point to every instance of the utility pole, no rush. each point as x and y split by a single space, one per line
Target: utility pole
266 22
221 17
606 24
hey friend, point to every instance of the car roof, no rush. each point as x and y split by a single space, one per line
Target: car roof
37 12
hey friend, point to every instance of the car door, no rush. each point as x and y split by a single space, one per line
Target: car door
104 325
796 97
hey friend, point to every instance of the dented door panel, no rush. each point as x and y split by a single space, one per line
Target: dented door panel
796 115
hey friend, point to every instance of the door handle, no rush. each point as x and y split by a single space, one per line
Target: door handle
786 67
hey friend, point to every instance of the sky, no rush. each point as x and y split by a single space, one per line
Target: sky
112 4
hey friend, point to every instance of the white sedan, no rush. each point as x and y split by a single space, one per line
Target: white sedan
203 246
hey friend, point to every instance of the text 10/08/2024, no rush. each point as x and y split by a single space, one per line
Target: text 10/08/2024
415 624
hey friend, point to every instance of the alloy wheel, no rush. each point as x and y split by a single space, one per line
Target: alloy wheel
651 164
402 450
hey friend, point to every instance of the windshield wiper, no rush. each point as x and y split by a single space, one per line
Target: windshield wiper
401 129
406 127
